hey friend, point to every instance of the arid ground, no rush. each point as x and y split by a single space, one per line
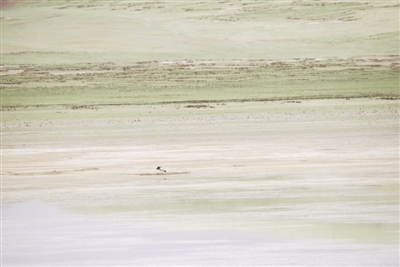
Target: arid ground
277 124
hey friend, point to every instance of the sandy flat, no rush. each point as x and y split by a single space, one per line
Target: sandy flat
255 179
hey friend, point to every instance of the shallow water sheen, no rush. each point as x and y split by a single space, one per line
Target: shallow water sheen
39 235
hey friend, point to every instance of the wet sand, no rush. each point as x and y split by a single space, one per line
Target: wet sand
254 183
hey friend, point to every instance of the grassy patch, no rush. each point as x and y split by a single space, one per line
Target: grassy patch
198 81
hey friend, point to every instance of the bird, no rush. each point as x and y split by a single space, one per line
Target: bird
161 169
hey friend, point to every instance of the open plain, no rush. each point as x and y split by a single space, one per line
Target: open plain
280 141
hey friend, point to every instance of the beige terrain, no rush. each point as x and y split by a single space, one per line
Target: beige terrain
305 170
277 124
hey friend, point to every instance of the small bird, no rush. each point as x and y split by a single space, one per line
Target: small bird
161 169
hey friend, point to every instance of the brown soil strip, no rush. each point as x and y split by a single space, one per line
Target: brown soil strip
166 173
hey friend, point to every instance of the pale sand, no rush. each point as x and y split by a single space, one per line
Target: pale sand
310 183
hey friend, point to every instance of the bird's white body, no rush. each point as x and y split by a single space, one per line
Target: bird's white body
161 169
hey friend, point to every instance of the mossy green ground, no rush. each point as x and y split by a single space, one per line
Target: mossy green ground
92 53
199 81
